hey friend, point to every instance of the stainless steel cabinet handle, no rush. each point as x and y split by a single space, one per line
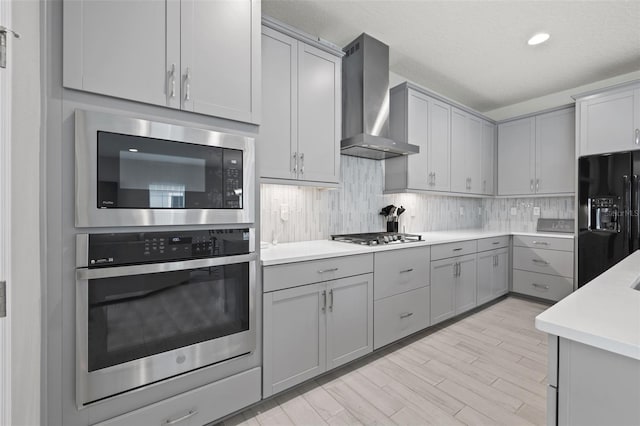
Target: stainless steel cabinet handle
455 269
406 270
546 287
331 300
187 83
496 242
537 185
302 163
637 136
457 249
434 178
540 262
484 185
470 183
407 315
531 185
172 81
541 243
324 300
322 271
189 414
295 162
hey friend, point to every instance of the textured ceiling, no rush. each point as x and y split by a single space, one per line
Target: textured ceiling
476 52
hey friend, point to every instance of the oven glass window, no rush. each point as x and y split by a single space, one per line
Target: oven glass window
136 172
137 316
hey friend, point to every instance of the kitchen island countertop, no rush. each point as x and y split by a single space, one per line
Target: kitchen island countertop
604 313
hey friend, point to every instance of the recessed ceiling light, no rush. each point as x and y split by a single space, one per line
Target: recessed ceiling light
538 38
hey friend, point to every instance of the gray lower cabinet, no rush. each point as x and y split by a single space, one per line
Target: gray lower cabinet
313 328
453 287
493 274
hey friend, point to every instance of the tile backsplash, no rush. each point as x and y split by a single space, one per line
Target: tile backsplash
317 213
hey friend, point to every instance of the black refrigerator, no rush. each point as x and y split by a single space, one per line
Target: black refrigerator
608 204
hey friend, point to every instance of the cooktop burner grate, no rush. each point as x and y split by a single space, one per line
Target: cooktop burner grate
375 238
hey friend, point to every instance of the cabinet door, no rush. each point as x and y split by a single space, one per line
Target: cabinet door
486 276
501 273
418 171
516 157
473 155
608 123
466 284
488 158
349 319
439 145
123 48
443 303
294 336
278 131
220 58
555 152
459 142
319 110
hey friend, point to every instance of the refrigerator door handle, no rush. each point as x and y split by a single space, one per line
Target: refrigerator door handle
626 210
635 212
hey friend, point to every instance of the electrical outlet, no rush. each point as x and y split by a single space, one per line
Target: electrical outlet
284 212
461 211
479 211
514 211
536 211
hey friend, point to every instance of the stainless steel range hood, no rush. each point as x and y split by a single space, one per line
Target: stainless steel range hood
365 102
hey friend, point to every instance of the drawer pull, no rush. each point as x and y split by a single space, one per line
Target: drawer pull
322 271
324 300
406 270
496 242
457 249
540 262
541 243
407 315
191 413
546 287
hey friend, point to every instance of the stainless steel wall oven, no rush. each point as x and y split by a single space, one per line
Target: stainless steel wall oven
134 172
153 305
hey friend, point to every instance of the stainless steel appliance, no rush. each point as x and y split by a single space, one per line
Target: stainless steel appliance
377 238
133 172
365 102
608 205
153 305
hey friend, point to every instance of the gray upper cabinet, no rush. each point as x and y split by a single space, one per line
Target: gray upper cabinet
536 155
466 152
516 157
424 121
555 152
220 58
200 56
610 121
488 158
301 125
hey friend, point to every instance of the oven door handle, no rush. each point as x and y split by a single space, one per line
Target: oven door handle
152 268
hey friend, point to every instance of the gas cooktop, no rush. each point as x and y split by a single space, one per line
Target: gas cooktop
376 238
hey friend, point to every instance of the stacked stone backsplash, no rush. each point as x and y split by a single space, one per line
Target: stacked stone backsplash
317 213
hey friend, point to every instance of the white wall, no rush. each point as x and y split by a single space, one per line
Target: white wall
25 304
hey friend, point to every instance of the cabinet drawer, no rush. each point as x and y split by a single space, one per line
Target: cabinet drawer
541 285
288 275
551 262
199 406
442 251
401 315
398 271
564 244
493 243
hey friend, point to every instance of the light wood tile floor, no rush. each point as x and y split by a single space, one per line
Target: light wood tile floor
488 368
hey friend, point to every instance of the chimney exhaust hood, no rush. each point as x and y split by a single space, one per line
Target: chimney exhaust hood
365 102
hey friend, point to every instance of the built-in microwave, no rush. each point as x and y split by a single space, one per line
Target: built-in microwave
134 172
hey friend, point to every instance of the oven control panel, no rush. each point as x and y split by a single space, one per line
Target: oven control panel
131 248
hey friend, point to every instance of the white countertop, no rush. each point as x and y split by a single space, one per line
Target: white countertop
604 313
321 249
